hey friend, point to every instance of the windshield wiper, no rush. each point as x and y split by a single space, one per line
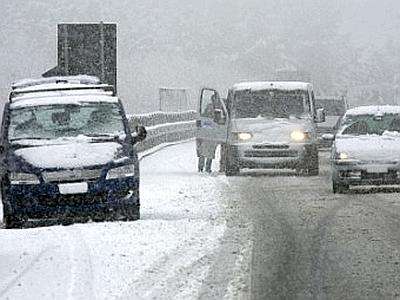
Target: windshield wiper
103 136
29 138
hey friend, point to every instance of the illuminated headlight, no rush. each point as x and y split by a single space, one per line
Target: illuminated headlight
244 136
23 178
121 172
299 136
343 156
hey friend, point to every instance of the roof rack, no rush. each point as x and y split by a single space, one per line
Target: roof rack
104 87
78 79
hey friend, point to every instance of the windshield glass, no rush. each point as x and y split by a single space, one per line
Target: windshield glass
269 103
369 124
65 120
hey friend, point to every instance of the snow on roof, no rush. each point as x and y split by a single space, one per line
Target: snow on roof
272 85
373 110
64 99
58 86
78 79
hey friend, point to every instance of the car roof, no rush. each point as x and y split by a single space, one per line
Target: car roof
60 99
373 110
272 85
60 90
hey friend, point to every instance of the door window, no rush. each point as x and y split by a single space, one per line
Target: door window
208 103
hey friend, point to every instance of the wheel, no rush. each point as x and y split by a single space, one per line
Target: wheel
132 213
311 162
339 188
127 213
11 222
231 169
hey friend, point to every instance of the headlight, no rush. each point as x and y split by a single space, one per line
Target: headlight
23 178
121 172
299 136
343 156
244 136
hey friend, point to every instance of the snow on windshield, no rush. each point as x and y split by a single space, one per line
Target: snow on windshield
269 103
55 121
371 124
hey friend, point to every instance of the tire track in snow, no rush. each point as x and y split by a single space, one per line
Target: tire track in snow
80 285
25 271
184 261
319 257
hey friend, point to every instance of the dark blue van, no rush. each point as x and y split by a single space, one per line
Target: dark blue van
67 152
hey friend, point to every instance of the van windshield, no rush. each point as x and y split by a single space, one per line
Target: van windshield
269 103
65 120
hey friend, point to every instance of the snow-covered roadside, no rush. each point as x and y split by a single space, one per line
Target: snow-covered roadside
167 254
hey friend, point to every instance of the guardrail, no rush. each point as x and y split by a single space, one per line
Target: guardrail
165 127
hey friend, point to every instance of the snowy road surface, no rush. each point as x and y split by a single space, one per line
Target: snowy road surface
166 255
272 235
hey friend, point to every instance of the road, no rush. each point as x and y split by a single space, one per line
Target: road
260 235
312 244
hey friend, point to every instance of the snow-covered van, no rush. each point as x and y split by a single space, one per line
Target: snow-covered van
263 125
67 151
366 148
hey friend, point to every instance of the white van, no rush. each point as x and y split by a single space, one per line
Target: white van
263 125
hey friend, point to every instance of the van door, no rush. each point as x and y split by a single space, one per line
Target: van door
213 117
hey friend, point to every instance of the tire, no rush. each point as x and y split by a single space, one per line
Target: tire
231 169
11 222
339 188
311 162
127 213
132 213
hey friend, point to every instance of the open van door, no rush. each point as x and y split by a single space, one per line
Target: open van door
213 117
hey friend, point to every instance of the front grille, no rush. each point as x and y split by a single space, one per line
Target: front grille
269 154
391 175
71 175
73 200
271 146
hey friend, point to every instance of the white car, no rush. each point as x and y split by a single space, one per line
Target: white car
366 148
263 125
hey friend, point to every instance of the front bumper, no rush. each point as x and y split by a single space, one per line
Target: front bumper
45 200
268 156
366 173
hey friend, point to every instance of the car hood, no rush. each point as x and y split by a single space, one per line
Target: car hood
71 155
271 130
370 148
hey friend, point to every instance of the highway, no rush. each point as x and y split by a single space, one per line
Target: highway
260 235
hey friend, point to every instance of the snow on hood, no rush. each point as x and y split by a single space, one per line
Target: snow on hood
270 130
68 156
370 147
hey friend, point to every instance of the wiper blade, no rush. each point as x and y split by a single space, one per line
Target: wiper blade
29 138
102 135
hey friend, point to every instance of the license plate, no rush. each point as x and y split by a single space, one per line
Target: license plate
377 169
73 188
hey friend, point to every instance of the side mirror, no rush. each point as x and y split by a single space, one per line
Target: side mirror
320 116
328 137
219 117
141 133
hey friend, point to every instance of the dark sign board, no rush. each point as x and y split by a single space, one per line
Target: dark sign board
89 49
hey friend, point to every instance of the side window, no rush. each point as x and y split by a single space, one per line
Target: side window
307 101
313 108
209 103
4 123
206 105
